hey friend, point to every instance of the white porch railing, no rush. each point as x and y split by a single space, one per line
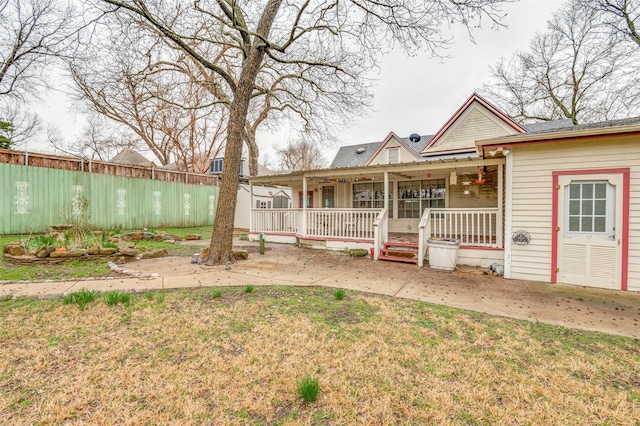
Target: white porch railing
473 227
352 224
355 224
380 232
278 221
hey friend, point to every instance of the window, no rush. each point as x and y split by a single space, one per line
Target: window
370 195
216 166
394 155
415 196
591 206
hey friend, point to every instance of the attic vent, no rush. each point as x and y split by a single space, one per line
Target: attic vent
414 137
360 150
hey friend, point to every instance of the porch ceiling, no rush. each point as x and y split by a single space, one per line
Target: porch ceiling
403 171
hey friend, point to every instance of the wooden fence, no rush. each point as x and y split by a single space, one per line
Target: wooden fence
25 158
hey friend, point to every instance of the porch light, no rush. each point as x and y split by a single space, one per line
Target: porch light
466 191
466 179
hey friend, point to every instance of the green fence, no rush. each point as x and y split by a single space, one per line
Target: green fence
32 198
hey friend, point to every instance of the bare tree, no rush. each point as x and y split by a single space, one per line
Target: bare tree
19 125
622 16
340 38
574 70
300 155
32 32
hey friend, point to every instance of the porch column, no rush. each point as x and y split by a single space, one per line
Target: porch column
508 216
250 206
386 190
303 220
499 234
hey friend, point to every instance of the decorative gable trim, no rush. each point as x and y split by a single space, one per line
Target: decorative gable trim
383 145
502 117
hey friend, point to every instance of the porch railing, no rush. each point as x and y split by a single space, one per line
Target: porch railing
473 227
353 224
277 221
380 232
356 224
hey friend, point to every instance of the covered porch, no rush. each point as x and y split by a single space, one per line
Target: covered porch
392 205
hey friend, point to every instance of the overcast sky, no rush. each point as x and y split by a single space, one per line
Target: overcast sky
412 95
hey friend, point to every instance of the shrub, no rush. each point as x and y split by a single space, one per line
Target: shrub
249 289
339 294
80 298
114 297
216 294
308 389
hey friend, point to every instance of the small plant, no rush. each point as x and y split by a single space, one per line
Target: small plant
249 288
38 241
80 298
112 298
243 237
109 245
216 294
308 389
339 294
160 297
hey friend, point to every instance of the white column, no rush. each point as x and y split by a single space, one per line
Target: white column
303 222
250 206
500 208
508 216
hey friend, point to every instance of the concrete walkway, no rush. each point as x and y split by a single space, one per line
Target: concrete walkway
612 312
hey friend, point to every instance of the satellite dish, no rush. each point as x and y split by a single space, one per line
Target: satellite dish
360 150
414 137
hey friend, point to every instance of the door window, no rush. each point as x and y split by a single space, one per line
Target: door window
589 209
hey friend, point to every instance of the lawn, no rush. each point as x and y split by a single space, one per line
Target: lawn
79 269
238 355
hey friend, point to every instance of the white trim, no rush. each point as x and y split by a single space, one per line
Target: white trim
499 224
508 216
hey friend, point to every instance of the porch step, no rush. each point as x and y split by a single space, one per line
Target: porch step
399 252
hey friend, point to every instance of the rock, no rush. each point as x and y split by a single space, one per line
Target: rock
14 250
95 250
55 254
127 251
108 250
192 237
133 236
170 241
45 251
155 253
114 240
159 237
148 236
74 253
175 237
240 254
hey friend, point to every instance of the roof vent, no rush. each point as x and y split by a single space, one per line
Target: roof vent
414 137
360 150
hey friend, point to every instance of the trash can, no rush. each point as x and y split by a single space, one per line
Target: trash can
443 253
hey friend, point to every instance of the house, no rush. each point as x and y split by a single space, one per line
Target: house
262 198
131 158
487 181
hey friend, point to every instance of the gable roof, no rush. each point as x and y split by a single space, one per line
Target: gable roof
392 136
348 156
547 126
502 119
132 158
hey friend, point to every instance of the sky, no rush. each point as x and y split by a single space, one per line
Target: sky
411 95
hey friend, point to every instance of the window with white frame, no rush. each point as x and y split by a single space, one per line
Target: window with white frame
370 195
216 166
591 207
417 195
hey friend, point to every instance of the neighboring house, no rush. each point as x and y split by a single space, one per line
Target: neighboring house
217 163
263 198
486 180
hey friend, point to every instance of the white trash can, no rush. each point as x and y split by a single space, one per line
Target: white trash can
443 253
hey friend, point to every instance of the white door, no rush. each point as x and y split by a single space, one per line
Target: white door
590 230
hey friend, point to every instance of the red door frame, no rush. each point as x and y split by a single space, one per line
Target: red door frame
626 183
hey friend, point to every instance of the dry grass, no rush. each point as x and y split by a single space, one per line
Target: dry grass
191 358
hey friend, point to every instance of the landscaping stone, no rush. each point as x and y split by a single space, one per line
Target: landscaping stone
155 253
14 250
74 253
176 237
94 250
45 251
108 251
192 237
127 251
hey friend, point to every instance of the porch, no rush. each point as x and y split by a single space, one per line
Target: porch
479 231
403 204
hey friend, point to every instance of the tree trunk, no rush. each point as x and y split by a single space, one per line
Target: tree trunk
254 152
220 248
